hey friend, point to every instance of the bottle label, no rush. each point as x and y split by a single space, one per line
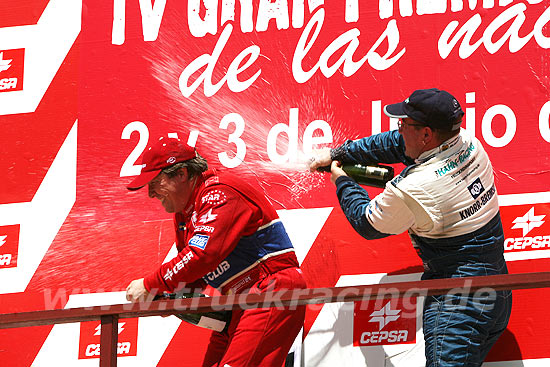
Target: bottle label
376 176
375 172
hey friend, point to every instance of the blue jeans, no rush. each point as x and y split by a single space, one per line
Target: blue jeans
460 329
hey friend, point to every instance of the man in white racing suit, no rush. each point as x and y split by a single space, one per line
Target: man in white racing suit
447 201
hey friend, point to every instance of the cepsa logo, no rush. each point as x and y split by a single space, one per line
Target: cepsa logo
526 228
9 245
11 69
90 335
384 322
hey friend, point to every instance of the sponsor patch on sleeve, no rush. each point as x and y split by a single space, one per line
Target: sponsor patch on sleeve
205 229
199 240
214 197
208 217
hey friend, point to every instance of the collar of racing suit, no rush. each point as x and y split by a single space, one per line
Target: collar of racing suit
199 183
447 145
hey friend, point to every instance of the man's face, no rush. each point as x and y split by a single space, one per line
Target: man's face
173 192
414 136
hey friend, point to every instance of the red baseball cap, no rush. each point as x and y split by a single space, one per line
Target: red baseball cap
164 153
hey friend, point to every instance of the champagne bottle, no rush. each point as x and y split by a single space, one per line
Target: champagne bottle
373 175
213 320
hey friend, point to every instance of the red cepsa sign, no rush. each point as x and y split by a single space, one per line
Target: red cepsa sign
90 334
11 69
527 227
384 322
9 246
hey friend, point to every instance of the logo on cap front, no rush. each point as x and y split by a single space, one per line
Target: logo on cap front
171 160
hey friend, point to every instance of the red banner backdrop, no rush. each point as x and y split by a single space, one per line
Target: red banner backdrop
254 85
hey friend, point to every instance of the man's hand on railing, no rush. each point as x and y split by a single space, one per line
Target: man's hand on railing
136 292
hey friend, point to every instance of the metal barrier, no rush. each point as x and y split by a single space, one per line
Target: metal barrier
110 314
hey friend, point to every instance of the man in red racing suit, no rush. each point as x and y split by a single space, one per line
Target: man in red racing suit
230 237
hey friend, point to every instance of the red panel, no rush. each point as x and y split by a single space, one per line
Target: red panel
384 322
33 139
525 337
11 69
112 236
90 332
527 227
9 246
21 12
182 344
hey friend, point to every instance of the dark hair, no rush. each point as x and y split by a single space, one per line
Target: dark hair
446 134
194 166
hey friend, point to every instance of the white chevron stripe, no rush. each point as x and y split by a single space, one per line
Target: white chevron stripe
303 227
524 199
46 44
41 218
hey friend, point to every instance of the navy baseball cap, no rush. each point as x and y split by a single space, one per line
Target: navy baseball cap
435 108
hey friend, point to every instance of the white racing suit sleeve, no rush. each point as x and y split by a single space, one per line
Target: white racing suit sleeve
388 212
385 215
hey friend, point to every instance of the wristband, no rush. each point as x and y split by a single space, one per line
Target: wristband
339 153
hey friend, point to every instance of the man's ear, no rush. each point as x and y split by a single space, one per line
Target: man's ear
429 135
